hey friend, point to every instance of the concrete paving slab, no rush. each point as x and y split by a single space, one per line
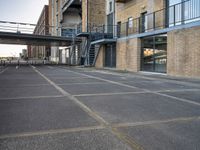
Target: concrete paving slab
42 90
189 95
31 115
87 140
21 82
159 85
57 72
169 136
74 80
173 78
139 107
97 88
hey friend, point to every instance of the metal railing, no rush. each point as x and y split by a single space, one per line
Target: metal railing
178 14
98 32
103 32
79 28
27 28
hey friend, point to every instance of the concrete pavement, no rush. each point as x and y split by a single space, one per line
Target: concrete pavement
62 108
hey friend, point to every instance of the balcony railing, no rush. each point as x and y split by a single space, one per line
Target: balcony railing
99 32
178 14
104 32
79 28
181 13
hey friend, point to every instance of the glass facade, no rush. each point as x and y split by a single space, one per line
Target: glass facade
154 53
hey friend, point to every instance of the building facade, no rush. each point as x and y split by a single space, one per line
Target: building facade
42 28
64 15
159 36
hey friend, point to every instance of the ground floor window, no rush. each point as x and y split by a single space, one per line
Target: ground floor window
110 56
154 53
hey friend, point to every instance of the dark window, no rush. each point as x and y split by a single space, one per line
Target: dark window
110 56
110 6
143 22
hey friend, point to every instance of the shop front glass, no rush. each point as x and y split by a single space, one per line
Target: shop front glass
154 53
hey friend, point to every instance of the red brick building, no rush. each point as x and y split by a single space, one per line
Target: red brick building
42 28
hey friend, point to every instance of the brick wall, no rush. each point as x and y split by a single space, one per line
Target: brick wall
184 52
134 8
129 55
96 12
100 59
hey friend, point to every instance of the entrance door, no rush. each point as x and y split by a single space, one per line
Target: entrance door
154 53
110 56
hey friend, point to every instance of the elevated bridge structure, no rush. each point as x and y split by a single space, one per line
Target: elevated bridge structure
23 34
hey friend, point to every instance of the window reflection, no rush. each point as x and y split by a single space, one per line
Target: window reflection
154 53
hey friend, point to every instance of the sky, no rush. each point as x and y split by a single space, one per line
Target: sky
27 11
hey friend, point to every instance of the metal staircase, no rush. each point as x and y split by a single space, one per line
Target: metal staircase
94 39
91 51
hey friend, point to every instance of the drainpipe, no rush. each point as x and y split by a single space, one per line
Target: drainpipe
87 13
114 13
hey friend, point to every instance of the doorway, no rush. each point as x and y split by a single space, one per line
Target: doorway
110 56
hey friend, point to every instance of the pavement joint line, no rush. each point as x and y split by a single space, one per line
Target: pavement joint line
145 77
67 78
144 123
179 90
71 97
4 70
82 83
93 114
127 139
106 80
32 97
52 131
124 93
178 99
153 92
108 94
25 85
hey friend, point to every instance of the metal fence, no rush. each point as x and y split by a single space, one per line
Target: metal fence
181 13
27 28
104 32
173 15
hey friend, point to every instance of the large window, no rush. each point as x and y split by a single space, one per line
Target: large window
154 53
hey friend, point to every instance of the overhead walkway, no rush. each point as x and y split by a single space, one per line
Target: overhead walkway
24 34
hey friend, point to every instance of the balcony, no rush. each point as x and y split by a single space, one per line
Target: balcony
98 34
175 15
103 34
80 32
